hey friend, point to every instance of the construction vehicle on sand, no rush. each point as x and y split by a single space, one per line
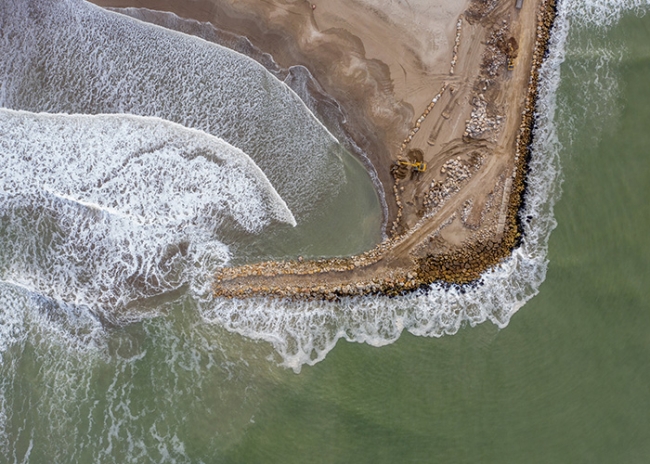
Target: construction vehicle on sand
418 166
401 167
415 162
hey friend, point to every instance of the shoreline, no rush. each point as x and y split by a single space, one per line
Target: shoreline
297 77
432 236
280 40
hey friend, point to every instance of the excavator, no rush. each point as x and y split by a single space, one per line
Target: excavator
418 166
414 161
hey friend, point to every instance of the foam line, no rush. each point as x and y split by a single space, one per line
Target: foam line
303 333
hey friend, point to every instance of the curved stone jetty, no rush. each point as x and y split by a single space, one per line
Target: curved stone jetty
460 216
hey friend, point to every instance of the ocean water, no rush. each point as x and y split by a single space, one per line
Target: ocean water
72 57
139 364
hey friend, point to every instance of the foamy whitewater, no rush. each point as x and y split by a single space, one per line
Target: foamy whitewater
110 342
303 333
72 57
129 206
99 186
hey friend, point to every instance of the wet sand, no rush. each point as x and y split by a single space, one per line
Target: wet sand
438 82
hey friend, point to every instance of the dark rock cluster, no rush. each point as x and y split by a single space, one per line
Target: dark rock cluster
467 264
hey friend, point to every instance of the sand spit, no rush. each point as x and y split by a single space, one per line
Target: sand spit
446 123
423 253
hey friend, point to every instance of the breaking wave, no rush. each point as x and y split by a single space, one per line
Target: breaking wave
104 210
89 241
70 56
80 228
601 13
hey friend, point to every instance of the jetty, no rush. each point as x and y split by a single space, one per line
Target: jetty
459 216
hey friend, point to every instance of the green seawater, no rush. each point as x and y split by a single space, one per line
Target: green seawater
568 381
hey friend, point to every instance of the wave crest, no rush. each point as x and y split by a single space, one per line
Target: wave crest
303 333
73 57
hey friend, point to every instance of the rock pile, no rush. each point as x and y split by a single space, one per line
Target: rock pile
480 122
392 283
467 210
480 9
495 57
395 226
463 265
466 264
545 18
454 56
456 172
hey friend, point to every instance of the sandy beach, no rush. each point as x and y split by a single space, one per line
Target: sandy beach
437 94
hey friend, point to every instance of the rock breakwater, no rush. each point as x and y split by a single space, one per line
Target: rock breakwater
391 268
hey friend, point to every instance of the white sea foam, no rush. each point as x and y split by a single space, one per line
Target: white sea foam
592 63
70 56
115 396
29 319
86 399
13 301
103 210
303 333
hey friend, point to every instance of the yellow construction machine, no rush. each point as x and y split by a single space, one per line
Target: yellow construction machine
418 166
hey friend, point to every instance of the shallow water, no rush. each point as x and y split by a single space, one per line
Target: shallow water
72 57
566 381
